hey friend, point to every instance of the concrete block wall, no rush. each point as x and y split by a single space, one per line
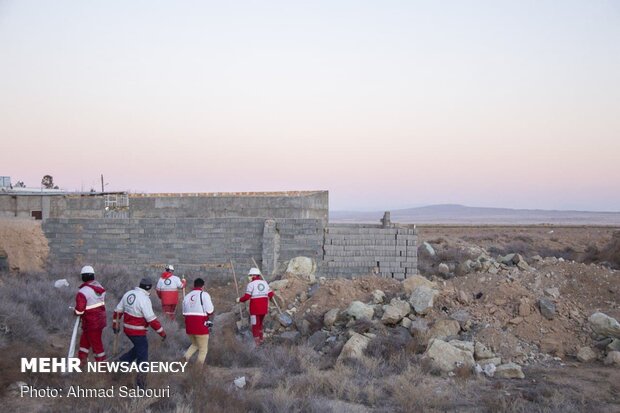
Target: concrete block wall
195 245
362 249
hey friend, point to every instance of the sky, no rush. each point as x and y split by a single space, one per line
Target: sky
386 104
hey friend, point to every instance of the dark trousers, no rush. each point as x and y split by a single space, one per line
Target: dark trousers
138 353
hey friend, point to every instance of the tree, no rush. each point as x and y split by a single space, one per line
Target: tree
20 184
48 182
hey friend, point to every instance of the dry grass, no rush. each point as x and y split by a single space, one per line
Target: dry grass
281 378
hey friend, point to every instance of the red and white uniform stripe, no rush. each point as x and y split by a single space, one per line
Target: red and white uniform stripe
197 307
90 304
168 288
137 312
259 293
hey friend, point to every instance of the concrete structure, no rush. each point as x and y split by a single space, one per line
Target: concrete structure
202 233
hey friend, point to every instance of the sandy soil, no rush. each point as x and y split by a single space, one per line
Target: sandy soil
24 243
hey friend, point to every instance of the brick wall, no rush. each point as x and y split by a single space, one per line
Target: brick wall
360 249
194 245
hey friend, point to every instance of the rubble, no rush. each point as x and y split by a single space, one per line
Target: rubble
443 329
613 358
586 355
414 281
422 299
358 310
547 308
395 311
330 317
378 297
509 371
354 347
447 357
303 267
604 326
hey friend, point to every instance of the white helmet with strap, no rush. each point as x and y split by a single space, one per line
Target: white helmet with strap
169 267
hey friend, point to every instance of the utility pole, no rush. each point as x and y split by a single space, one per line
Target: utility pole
101 182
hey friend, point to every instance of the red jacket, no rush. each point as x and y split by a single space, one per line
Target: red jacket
90 305
137 311
197 307
167 288
259 293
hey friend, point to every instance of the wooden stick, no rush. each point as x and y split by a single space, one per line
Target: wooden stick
115 346
236 287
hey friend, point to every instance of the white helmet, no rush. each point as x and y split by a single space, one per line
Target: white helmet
87 269
169 267
254 271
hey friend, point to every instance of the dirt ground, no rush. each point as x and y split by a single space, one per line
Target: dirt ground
499 309
24 243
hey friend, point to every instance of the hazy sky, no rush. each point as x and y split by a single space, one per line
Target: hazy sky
386 104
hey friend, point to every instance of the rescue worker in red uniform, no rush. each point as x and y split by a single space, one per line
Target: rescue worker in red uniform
259 294
90 305
137 311
197 309
168 291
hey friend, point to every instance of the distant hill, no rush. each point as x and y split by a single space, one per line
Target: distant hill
460 214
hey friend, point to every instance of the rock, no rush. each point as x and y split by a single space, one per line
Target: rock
586 355
547 308
303 267
463 317
395 311
303 327
603 343
516 320
463 345
443 329
523 266
278 285
604 325
317 339
537 258
551 345
489 369
463 297
446 357
517 258
239 382
524 307
61 283
419 329
289 337
354 347
330 317
506 259
358 310
414 281
496 361
552 292
614 345
443 268
406 323
378 296
482 352
429 248
509 371
613 358
422 299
